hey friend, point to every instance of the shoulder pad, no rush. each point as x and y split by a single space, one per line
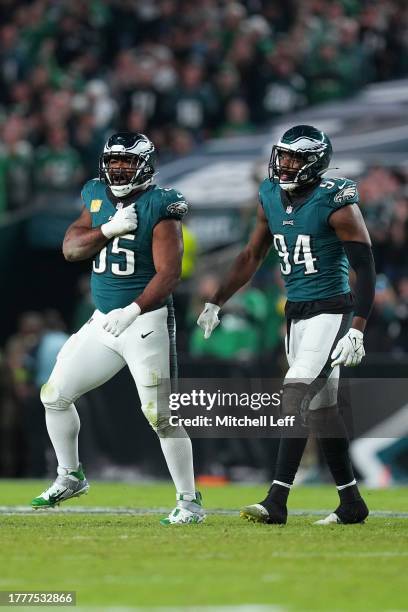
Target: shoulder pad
342 190
173 202
89 187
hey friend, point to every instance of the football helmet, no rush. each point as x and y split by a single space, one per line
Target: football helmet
127 163
300 157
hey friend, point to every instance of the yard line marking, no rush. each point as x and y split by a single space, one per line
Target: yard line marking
27 510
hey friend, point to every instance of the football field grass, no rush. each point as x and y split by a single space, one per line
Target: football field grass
115 554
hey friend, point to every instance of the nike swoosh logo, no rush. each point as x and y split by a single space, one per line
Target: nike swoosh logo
341 186
55 498
148 334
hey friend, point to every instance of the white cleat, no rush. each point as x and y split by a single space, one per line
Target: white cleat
255 513
329 520
71 484
186 512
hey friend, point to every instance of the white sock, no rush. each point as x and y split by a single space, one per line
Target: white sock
282 484
178 453
349 484
63 428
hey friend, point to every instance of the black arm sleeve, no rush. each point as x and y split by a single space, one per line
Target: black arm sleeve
361 260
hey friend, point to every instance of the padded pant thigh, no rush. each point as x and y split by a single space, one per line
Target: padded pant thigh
83 363
311 344
149 363
312 341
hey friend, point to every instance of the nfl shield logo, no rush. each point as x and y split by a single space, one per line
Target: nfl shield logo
289 209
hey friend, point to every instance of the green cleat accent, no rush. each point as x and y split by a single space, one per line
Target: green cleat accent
73 484
78 474
187 511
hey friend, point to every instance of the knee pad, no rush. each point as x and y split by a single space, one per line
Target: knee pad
52 399
150 411
155 393
295 399
158 419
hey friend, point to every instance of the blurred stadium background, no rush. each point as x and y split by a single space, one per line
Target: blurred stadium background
213 84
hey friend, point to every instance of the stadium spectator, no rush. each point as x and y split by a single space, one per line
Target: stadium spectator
175 64
236 119
58 168
16 165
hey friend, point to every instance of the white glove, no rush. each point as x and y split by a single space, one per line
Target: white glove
349 349
208 319
116 321
123 221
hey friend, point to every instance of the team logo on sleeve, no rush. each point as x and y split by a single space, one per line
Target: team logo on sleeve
346 195
178 208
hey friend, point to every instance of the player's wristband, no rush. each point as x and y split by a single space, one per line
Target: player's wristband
133 309
106 230
213 307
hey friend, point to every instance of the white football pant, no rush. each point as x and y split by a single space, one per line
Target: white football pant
309 345
91 357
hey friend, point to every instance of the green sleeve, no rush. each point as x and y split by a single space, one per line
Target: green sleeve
87 193
342 193
172 205
262 187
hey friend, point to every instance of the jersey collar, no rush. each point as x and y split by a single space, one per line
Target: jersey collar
296 200
131 198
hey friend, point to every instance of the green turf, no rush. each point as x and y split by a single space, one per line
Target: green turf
133 561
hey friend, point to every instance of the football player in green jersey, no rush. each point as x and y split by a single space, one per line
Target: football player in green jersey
317 229
131 230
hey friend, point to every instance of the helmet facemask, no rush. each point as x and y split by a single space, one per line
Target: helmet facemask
126 170
293 168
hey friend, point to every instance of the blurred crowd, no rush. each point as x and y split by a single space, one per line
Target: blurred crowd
384 198
73 70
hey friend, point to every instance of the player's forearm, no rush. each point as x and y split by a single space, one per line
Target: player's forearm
243 269
158 290
361 260
83 243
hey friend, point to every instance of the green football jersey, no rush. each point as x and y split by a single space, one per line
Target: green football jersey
123 268
313 263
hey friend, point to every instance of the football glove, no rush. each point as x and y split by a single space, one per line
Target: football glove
123 221
349 350
208 319
116 321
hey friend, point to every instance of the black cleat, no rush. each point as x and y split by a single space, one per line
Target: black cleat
347 514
